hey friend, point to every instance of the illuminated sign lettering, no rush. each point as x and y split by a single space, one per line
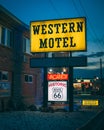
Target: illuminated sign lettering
90 102
57 76
58 35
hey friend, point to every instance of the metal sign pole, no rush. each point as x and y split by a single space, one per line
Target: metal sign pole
70 87
45 87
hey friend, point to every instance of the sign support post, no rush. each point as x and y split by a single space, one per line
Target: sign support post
45 89
71 89
45 86
70 93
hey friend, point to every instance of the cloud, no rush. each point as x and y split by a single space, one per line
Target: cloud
97 54
92 63
85 73
94 55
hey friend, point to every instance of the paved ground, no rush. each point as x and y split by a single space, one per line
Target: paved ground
28 120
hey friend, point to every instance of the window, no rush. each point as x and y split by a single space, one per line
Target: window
28 78
0 76
9 38
3 75
6 36
2 35
26 45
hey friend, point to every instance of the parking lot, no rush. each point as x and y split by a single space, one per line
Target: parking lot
36 120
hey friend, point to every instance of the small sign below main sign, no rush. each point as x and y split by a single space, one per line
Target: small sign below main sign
57 91
57 76
58 35
90 102
58 62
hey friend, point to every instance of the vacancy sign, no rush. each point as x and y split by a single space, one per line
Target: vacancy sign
57 76
57 91
58 35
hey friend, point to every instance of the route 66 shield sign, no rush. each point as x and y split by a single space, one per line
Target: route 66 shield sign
57 91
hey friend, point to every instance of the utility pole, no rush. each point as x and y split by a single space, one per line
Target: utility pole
101 77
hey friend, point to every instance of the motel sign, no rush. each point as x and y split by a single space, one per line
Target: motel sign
58 35
57 87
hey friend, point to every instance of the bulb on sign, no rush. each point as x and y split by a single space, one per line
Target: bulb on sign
64 70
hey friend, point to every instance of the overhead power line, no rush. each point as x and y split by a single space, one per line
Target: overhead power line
90 24
55 9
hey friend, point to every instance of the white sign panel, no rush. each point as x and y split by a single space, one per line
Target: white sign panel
57 91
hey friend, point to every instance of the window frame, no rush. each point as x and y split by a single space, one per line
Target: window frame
26 45
29 78
6 36
4 74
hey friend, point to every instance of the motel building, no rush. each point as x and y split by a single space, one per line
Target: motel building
19 84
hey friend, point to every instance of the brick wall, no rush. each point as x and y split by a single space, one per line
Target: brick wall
12 60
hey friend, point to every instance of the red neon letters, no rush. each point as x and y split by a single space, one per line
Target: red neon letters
57 76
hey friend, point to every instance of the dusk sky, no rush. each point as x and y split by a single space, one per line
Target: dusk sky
93 10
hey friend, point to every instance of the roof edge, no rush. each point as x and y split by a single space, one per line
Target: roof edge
13 17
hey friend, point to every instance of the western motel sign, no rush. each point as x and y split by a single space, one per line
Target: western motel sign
58 35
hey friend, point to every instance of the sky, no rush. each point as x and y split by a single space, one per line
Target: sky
93 10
